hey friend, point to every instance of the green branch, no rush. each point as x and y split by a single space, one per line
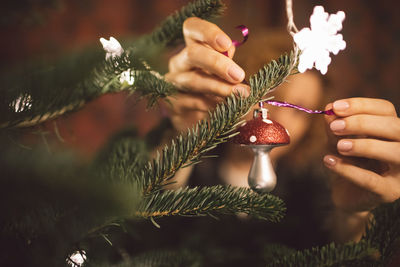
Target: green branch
384 230
188 148
215 200
45 91
170 30
352 254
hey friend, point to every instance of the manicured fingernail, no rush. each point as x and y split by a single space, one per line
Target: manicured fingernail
223 42
329 161
345 145
236 73
241 91
337 125
340 105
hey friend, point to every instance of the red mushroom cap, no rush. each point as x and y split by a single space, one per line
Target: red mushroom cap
261 131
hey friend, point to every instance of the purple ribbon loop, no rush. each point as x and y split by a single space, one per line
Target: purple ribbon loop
245 33
288 105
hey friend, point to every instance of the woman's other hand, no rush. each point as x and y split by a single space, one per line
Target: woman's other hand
367 140
203 75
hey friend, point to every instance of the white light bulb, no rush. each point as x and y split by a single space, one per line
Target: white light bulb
77 259
22 103
112 47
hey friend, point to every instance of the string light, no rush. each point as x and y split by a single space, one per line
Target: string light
77 259
114 49
22 103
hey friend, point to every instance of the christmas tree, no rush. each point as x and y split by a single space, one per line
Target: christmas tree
58 211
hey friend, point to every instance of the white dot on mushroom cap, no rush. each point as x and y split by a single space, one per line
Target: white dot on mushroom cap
267 121
253 138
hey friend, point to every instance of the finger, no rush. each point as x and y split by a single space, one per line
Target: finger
199 30
214 62
329 118
370 148
183 102
186 120
210 61
199 82
231 51
332 139
386 127
179 62
359 105
365 179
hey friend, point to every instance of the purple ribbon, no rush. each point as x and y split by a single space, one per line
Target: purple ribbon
288 105
245 33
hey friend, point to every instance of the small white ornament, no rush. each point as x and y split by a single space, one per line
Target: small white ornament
22 103
112 47
77 259
316 43
253 138
127 77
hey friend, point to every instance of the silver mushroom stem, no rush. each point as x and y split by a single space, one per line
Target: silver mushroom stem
262 177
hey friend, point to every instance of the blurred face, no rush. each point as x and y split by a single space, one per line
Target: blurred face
301 89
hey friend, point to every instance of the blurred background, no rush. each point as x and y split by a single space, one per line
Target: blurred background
50 28
35 29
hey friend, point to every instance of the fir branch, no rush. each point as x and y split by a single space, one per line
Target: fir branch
120 159
352 254
46 93
124 155
184 258
274 251
156 258
384 230
46 211
188 148
170 30
215 200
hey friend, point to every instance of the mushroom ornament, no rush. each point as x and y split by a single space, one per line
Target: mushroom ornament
262 134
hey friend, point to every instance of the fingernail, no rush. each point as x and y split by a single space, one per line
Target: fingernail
236 73
341 105
337 125
223 42
329 161
241 91
345 145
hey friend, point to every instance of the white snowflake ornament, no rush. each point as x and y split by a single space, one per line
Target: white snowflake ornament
112 47
319 40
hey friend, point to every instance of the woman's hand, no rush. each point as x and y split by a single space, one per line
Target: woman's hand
202 73
367 135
